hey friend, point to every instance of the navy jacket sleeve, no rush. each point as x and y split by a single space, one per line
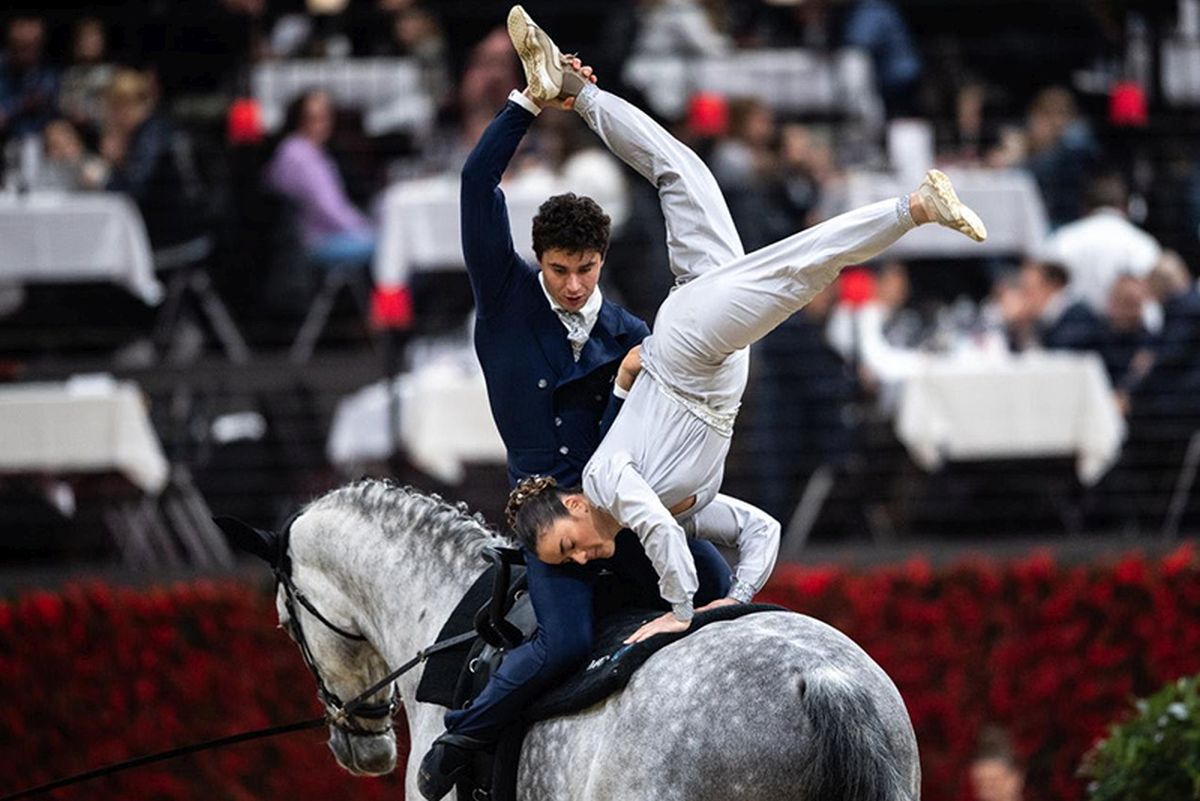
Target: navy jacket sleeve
492 263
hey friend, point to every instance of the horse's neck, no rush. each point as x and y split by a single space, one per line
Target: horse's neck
407 600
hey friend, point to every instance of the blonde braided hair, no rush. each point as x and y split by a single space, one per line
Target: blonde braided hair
526 488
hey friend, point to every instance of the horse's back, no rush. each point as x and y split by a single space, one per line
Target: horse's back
773 705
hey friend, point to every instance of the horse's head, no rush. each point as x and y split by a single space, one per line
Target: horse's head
321 619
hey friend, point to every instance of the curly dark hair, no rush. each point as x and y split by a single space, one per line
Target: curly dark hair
533 506
572 223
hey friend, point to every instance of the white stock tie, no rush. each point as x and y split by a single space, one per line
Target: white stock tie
577 329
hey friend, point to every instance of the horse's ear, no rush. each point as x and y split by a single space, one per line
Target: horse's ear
263 544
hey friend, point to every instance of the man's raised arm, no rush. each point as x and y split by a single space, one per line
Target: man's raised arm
492 262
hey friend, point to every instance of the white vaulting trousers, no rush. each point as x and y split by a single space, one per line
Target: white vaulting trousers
726 299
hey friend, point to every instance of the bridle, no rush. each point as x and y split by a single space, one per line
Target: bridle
340 714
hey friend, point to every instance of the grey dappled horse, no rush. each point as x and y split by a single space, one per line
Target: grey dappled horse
768 707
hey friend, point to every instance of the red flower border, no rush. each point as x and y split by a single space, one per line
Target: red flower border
95 674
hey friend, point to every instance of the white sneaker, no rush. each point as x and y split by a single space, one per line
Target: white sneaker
548 72
939 198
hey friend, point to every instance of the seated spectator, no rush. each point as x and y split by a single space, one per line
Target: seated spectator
81 96
879 333
1104 245
806 167
746 166
1127 334
334 231
28 85
149 161
1166 381
975 130
1004 313
1059 322
1058 147
66 162
994 773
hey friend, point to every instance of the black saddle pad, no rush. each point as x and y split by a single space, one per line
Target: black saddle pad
612 662
608 670
440 675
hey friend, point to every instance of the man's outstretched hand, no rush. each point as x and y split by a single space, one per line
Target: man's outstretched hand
665 624
568 103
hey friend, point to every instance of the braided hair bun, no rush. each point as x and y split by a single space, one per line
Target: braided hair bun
526 489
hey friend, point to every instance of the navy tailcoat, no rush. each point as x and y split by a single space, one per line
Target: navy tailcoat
548 407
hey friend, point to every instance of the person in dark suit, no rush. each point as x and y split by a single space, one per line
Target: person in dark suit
1059 322
1126 331
1160 395
550 346
1166 379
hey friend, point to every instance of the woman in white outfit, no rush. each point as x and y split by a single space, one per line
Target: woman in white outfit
660 466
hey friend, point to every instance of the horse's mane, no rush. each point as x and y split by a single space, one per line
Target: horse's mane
398 509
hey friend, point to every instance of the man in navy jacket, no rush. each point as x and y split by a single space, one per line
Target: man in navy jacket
550 346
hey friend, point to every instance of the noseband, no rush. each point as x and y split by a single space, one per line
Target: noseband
339 714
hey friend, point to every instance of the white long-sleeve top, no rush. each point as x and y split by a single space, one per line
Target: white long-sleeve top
658 454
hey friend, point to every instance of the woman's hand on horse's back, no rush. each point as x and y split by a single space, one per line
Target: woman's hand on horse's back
665 624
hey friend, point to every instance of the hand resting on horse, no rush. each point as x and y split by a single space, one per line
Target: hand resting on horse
667 623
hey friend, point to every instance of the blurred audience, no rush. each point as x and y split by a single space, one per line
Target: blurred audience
878 27
1126 333
150 160
877 331
490 73
745 164
85 81
334 231
1048 317
802 391
678 27
1057 146
995 774
875 26
66 163
28 84
1104 245
1165 378
414 32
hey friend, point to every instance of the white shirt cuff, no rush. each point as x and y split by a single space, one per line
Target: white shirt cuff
524 102
683 611
741 591
620 391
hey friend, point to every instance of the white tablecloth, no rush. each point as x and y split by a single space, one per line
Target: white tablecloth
419 219
1007 200
63 237
1036 405
792 81
86 425
388 90
445 421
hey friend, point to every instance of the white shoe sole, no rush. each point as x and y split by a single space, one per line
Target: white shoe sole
952 211
534 56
